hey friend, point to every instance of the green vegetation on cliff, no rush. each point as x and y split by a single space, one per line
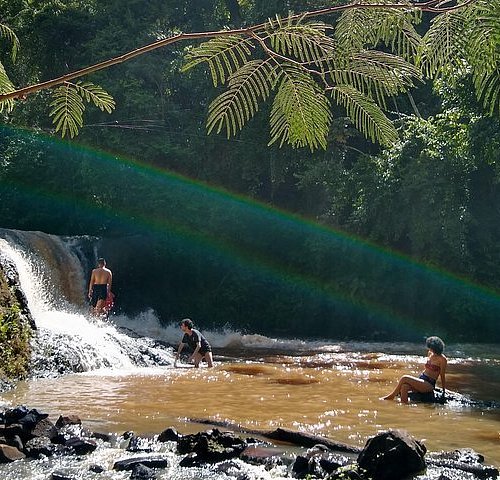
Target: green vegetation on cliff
15 336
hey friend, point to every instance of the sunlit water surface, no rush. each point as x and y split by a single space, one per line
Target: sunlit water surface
330 393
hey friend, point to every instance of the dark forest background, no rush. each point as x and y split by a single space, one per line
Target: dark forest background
351 242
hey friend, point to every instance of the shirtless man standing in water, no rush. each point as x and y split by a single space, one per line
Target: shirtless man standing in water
100 286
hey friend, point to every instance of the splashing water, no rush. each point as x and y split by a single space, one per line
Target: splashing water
68 339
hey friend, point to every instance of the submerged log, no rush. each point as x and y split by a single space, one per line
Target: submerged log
294 437
308 440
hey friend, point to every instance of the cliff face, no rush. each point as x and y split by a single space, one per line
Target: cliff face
16 326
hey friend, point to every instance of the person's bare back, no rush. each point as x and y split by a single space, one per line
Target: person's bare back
102 275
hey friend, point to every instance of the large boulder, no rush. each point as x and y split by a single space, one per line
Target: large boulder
209 447
392 455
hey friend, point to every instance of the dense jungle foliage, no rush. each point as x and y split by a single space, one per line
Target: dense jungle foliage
355 241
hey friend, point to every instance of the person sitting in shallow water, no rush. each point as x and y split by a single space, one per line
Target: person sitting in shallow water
426 382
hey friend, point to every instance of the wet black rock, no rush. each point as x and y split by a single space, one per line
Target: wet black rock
64 420
12 415
319 462
451 398
267 455
80 446
210 447
169 435
140 444
150 462
96 468
61 476
392 455
38 446
141 472
462 460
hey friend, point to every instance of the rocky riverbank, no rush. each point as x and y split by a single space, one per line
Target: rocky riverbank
29 435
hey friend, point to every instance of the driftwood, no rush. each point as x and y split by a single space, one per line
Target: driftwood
300 439
308 440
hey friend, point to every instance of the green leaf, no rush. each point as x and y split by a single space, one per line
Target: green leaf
484 54
300 113
359 28
9 34
445 43
67 110
68 105
376 74
366 115
307 43
224 56
97 95
6 86
248 86
487 85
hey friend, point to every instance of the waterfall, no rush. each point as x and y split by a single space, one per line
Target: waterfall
51 273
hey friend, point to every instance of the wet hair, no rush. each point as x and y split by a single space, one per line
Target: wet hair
101 261
435 344
188 323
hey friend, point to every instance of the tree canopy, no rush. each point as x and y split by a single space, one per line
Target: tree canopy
370 52
404 229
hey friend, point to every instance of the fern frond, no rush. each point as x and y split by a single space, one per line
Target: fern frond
6 86
376 74
366 115
308 43
487 84
248 86
9 34
67 110
445 43
359 28
351 29
300 113
395 28
224 55
485 35
68 105
484 53
97 95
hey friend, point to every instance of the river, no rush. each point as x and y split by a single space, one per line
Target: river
321 386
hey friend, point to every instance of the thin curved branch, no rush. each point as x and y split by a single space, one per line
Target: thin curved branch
430 6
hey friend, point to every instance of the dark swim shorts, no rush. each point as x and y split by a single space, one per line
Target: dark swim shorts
99 292
428 379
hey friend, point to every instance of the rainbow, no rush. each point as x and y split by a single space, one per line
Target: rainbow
237 230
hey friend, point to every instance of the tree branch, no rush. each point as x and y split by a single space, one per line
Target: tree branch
435 6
